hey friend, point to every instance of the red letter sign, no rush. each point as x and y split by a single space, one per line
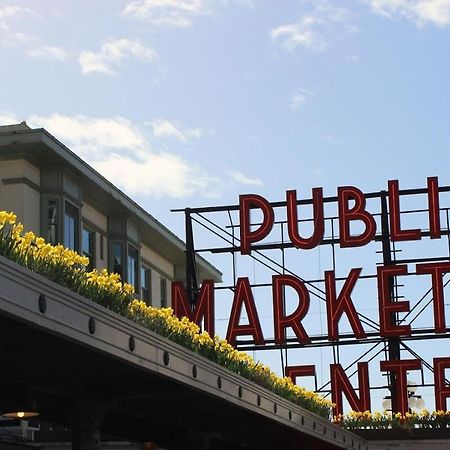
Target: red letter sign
441 387
300 371
397 234
292 220
400 369
204 308
246 202
436 270
243 295
358 212
337 307
433 207
387 307
293 320
340 384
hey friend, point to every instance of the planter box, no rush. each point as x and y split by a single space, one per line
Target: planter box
403 434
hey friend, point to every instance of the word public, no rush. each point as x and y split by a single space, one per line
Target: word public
351 203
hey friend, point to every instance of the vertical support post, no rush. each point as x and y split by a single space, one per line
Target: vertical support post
87 418
393 342
191 266
86 439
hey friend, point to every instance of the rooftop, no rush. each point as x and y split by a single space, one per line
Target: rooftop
41 148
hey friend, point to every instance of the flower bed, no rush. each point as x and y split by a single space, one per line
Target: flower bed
385 421
68 268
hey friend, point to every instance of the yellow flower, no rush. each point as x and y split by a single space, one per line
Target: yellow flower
34 248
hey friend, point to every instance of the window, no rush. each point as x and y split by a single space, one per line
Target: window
88 246
146 284
102 256
118 258
132 266
52 215
163 293
71 227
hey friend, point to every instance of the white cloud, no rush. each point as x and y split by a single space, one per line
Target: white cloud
92 138
13 10
311 30
352 58
249 3
120 151
333 140
421 12
8 36
48 52
26 42
163 128
112 54
243 179
156 174
296 101
7 118
176 13
298 98
299 33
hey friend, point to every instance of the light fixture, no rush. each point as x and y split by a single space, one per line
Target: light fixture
414 400
387 404
412 386
420 403
23 408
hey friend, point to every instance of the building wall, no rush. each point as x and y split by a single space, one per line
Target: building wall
25 190
160 269
20 168
157 261
19 192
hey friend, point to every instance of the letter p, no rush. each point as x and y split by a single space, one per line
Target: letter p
247 202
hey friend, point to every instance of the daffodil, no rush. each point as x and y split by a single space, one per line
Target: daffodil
69 269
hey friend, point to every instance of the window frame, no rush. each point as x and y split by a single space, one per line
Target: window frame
92 242
133 272
114 246
146 275
69 208
48 221
163 292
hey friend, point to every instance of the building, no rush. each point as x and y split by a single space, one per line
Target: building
58 196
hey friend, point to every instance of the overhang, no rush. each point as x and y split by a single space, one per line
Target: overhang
75 354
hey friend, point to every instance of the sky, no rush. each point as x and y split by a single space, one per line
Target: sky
193 102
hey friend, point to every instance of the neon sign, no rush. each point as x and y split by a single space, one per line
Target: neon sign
384 226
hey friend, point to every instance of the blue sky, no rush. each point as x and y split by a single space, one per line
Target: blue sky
209 99
191 102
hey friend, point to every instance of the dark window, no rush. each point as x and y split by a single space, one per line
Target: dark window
102 256
163 293
132 266
88 246
52 215
118 258
71 227
146 284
